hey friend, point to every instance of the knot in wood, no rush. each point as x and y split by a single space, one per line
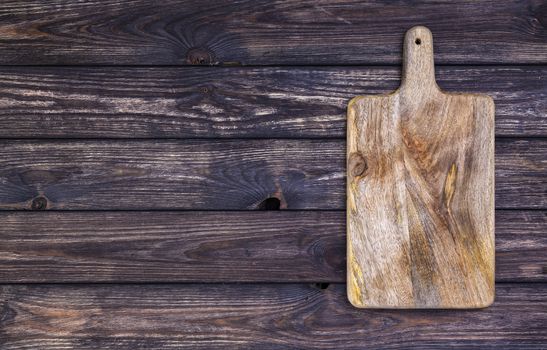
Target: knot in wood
271 203
198 55
39 203
357 164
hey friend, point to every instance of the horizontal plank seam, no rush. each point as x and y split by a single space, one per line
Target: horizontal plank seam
45 212
222 139
57 210
281 65
140 283
334 138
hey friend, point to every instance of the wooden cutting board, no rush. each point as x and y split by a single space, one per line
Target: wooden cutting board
420 192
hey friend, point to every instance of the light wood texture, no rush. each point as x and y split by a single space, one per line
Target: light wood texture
255 316
420 192
226 246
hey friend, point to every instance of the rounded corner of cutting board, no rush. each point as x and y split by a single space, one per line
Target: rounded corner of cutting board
354 300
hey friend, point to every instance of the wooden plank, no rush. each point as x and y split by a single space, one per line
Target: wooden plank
216 174
269 316
79 102
420 192
265 246
512 227
266 32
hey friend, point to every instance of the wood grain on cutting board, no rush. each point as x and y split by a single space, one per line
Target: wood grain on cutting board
420 166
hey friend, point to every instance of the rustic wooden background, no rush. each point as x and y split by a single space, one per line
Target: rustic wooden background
146 145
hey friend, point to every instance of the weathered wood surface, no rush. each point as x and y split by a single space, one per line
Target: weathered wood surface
151 102
270 316
271 246
216 174
420 192
145 101
266 32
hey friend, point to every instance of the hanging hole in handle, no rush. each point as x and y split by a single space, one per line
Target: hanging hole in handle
418 41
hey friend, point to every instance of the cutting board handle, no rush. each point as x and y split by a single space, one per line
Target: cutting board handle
418 63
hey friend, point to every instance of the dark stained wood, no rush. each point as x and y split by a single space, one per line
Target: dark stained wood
267 32
213 174
284 246
516 173
521 235
246 103
235 102
270 316
272 246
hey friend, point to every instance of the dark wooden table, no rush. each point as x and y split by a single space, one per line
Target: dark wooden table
172 173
